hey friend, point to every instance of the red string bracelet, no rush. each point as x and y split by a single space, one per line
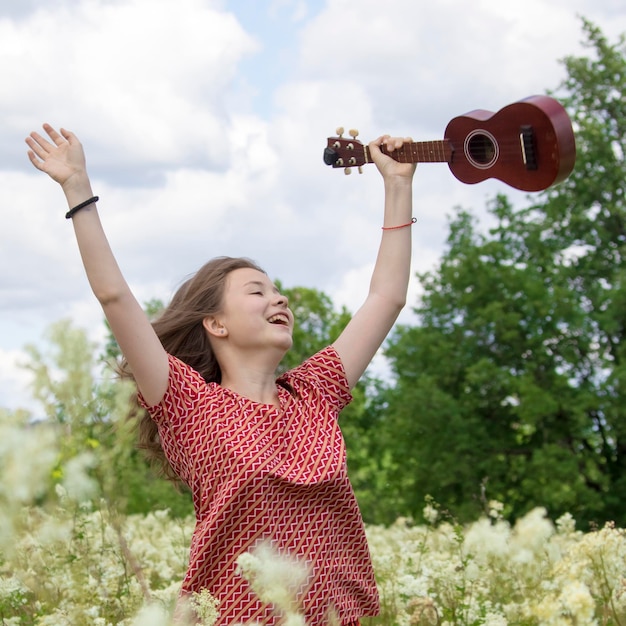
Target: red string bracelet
401 225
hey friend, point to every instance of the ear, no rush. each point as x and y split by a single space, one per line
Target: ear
214 327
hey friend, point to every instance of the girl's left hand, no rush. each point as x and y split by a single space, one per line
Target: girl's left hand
388 166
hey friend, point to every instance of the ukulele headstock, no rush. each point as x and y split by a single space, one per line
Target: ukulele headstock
341 152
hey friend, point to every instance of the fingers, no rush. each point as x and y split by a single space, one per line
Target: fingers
65 135
68 135
390 143
40 144
380 142
53 134
59 155
389 165
37 142
34 159
394 143
58 137
41 148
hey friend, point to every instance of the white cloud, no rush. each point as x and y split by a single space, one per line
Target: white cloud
148 82
199 146
427 62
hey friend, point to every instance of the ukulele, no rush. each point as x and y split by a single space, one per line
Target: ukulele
528 145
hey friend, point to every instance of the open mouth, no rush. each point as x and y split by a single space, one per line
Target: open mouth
281 320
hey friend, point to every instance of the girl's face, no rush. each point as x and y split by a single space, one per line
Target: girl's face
254 313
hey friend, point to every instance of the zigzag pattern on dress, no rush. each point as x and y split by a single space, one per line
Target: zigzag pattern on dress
259 472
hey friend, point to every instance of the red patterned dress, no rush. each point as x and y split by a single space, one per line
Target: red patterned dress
262 473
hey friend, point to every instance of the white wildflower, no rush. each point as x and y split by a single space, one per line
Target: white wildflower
578 603
205 607
152 615
495 509
79 486
58 617
275 578
472 571
487 541
532 531
566 524
11 586
19 442
430 513
495 619
61 491
411 586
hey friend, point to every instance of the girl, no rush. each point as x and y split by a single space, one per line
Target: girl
264 458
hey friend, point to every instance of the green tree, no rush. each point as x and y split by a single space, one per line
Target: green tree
512 385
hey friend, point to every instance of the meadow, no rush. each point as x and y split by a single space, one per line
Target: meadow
75 560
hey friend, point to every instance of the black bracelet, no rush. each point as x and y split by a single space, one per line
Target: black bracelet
80 206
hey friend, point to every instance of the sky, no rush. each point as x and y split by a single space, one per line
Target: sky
204 123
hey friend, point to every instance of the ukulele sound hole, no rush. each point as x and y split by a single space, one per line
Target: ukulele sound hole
481 149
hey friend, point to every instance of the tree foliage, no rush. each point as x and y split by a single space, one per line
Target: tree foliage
512 385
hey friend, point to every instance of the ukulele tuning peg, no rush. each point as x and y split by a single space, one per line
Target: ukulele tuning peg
353 133
347 171
340 131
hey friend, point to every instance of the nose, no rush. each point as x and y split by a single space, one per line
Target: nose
282 300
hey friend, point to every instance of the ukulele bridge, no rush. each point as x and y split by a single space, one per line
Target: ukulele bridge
527 144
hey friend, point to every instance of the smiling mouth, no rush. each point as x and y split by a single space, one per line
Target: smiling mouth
281 320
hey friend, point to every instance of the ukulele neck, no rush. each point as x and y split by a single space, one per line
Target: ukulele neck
419 152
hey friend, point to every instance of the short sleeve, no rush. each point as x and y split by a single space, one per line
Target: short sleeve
324 371
185 387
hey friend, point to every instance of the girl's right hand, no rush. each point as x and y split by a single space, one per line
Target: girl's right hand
62 158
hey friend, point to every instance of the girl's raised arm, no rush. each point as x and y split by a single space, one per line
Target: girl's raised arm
369 326
63 159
